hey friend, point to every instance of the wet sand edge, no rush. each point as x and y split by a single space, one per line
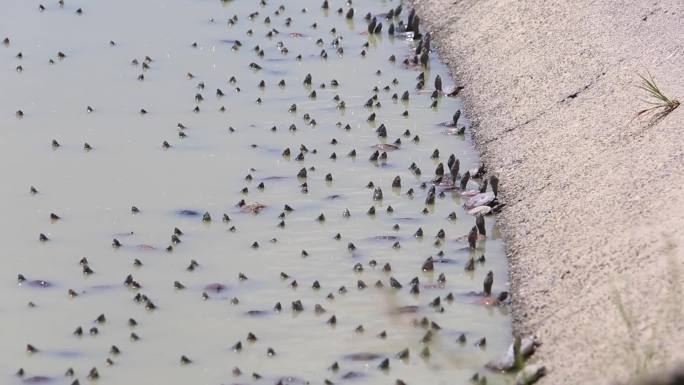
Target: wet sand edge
593 222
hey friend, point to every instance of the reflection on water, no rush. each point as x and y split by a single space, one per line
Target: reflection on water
185 187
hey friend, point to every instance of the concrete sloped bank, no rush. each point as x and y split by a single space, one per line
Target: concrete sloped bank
595 212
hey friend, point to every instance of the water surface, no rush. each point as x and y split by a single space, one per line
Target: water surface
93 192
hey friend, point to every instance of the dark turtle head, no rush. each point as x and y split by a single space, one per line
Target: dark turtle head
454 119
483 187
439 171
93 374
495 185
464 180
480 224
472 238
487 285
438 83
430 199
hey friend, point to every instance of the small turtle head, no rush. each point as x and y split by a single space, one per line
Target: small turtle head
494 181
487 285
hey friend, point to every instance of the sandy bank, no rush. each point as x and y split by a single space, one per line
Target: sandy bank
595 215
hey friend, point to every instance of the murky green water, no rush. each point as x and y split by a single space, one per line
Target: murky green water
93 191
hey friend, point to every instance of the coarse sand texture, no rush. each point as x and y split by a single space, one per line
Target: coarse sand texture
594 220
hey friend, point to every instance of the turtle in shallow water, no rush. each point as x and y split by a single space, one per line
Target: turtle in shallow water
443 260
448 181
274 178
32 283
188 213
452 127
485 198
385 147
473 191
480 199
352 375
491 301
514 357
469 193
455 131
363 356
259 313
409 309
480 210
291 380
454 120
145 247
253 208
472 238
390 238
530 374
215 287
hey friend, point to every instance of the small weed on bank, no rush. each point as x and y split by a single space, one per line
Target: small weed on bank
661 104
641 351
640 355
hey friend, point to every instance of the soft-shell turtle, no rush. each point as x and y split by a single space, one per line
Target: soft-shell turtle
530 374
485 198
517 352
480 210
481 199
385 147
253 208
491 301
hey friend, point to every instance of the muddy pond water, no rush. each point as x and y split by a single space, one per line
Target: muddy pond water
156 195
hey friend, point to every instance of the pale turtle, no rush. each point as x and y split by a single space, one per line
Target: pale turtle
480 210
487 198
385 147
254 208
530 374
514 357
492 301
